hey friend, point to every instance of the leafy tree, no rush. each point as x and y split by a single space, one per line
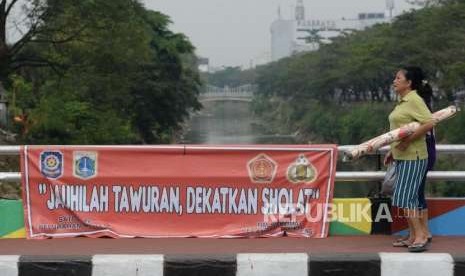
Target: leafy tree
230 76
360 68
123 78
38 23
342 92
166 87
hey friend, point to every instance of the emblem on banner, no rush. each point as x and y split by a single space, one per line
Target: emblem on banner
84 164
262 169
301 171
51 164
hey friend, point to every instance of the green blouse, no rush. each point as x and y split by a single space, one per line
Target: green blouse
410 108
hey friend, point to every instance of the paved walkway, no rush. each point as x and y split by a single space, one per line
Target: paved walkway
335 244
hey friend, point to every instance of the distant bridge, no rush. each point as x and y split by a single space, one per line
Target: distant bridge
243 93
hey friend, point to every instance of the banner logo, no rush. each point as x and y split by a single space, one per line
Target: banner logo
84 164
262 169
51 164
301 171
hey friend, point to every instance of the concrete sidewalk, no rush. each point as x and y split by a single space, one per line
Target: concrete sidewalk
210 246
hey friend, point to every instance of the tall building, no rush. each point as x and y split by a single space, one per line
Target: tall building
300 11
390 7
282 38
290 36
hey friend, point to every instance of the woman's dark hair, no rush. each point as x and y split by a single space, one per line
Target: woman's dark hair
419 83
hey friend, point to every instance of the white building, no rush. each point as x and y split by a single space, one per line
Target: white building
282 38
290 36
203 64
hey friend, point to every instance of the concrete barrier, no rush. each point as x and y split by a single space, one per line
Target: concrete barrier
400 264
384 264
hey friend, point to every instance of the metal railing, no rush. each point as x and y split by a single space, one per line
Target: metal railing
341 176
379 175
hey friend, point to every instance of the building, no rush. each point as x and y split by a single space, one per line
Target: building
203 64
290 36
282 38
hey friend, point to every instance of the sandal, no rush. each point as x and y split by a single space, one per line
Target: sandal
404 238
418 247
401 243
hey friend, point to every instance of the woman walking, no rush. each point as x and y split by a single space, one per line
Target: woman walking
410 154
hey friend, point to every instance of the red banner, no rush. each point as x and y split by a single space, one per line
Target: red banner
177 191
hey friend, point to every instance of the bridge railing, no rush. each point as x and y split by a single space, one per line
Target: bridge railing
379 175
247 88
228 94
341 176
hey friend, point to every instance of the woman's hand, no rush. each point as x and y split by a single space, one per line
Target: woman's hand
388 158
420 132
403 145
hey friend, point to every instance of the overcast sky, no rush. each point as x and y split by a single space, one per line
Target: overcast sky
233 32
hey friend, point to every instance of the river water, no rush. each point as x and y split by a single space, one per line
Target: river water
234 123
230 123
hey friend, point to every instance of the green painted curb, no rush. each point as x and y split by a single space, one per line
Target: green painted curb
11 216
338 228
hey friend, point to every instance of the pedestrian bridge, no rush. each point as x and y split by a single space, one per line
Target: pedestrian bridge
243 93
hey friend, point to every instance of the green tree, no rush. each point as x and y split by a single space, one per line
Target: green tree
166 87
231 76
126 78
